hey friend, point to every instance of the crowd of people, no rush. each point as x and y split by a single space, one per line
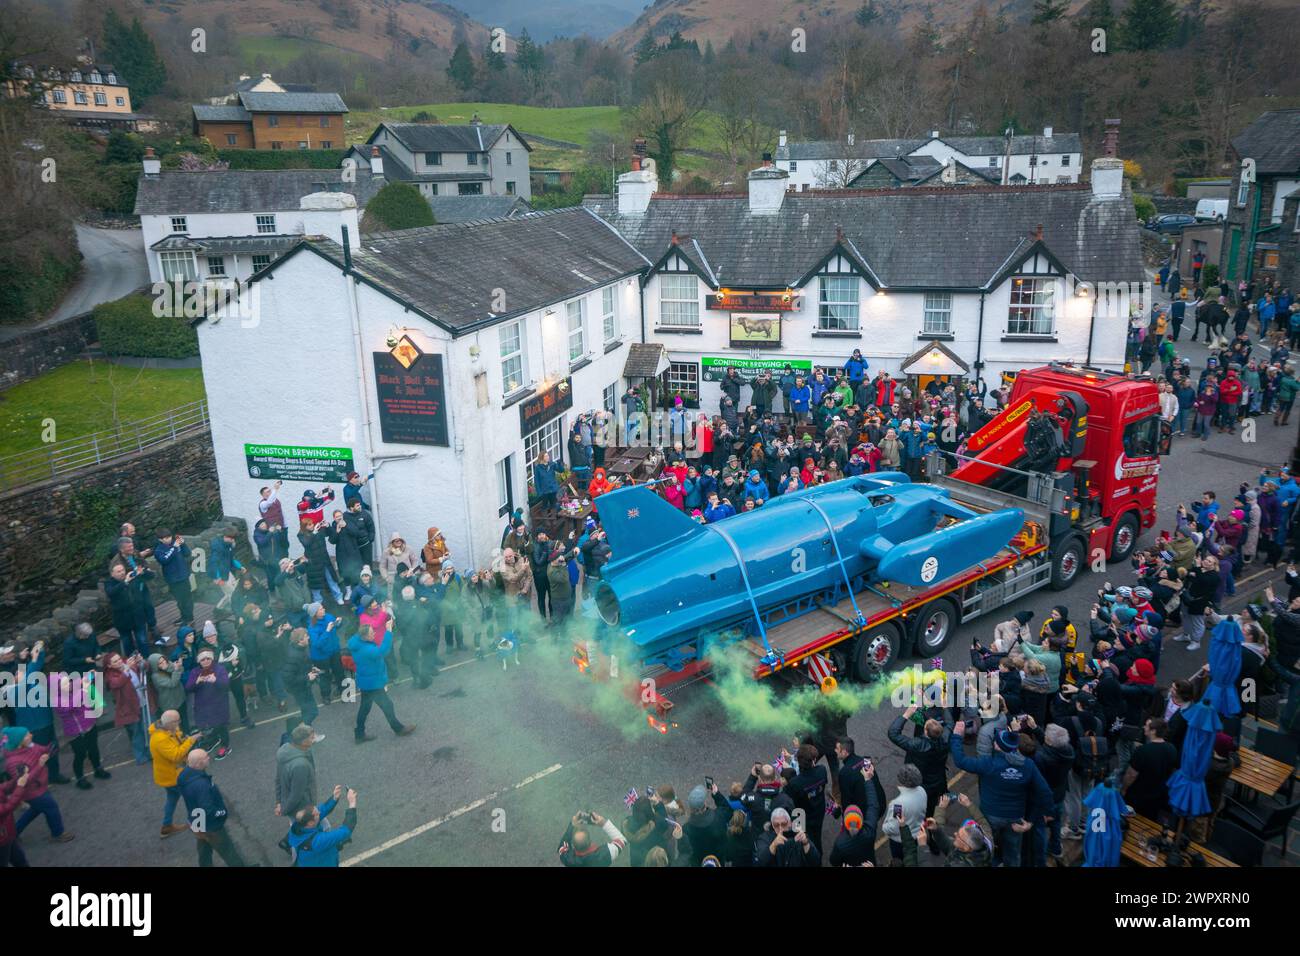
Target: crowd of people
342 619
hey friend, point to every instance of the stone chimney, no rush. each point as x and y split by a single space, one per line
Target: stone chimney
1110 144
934 134
1107 177
376 163
781 140
326 214
637 186
767 188
152 164
475 121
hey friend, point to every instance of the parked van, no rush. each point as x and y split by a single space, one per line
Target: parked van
1208 210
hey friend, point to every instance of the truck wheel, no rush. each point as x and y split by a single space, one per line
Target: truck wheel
1125 539
840 657
877 651
933 626
1067 562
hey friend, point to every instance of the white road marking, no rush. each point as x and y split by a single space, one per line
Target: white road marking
446 818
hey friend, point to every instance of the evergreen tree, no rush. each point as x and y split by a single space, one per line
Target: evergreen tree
530 59
646 49
1148 25
867 14
1049 11
134 56
399 206
1096 15
494 61
461 68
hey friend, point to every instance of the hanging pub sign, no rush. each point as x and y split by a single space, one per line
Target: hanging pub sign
412 396
548 404
725 300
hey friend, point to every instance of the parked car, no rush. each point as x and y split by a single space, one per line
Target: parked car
1170 222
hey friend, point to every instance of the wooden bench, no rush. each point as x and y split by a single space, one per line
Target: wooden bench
1140 830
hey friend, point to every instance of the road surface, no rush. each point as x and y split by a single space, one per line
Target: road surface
113 264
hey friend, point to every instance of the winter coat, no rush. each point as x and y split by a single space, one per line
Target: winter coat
516 578
789 854
201 793
545 481
211 698
169 749
221 560
126 696
318 558
174 560
317 846
372 671
927 754
295 779
1011 788
557 577
349 547
166 684
38 780
11 797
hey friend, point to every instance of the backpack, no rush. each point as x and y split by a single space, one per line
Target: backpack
1092 758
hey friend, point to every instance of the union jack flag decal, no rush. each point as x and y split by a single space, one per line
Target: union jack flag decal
631 798
633 513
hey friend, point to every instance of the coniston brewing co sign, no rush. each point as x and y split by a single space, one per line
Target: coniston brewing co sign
412 398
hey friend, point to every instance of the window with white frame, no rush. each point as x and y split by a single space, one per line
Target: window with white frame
1243 192
112 79
608 315
1065 160
683 378
679 301
504 497
609 397
512 357
260 262
121 101
938 314
577 331
1033 307
60 96
80 98
794 166
96 78
177 266
216 265
101 99
837 304
179 224
545 439
993 162
433 159
266 224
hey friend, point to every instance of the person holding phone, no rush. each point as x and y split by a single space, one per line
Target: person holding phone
906 811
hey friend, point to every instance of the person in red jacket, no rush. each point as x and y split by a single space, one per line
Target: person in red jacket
24 757
1229 397
13 791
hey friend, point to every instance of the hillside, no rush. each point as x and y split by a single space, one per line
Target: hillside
371 28
555 18
718 20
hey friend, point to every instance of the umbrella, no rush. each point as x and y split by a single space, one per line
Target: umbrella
1103 833
1225 666
1187 794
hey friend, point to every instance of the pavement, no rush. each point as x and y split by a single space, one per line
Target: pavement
502 759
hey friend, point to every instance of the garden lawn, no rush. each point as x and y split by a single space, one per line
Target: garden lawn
79 398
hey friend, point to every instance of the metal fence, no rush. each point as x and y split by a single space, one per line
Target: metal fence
129 438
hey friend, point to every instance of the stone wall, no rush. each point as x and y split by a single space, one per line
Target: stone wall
35 352
55 537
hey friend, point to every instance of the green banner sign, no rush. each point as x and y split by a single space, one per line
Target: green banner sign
298 462
714 368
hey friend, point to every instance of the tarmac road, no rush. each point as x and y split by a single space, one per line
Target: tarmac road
501 760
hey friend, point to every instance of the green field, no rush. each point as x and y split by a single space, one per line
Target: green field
572 123
79 399
276 52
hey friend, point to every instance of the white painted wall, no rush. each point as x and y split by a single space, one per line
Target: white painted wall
813 173
264 381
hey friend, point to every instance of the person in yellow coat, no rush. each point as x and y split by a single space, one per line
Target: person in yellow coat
1067 633
169 747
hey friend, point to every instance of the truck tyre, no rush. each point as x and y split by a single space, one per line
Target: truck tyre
877 651
1125 538
933 626
1067 562
841 657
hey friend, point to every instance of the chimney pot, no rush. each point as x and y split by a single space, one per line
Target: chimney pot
151 163
1110 145
1047 132
934 134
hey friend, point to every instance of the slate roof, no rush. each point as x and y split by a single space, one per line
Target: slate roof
644 360
452 272
476 208
292 102
441 137
1272 141
176 192
915 237
228 113
893 148
228 245
394 168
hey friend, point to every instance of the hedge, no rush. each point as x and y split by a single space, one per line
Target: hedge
399 206
29 292
129 327
282 158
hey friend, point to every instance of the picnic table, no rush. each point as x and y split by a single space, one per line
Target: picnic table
1140 830
1261 774
627 464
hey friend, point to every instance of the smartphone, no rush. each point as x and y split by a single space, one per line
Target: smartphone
952 796
898 811
708 783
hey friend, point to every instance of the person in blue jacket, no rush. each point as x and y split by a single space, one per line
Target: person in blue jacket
309 839
545 482
855 369
370 656
222 561
1013 793
800 399
207 810
173 556
323 649
756 487
717 510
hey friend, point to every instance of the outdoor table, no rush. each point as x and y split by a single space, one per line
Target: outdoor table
1261 774
1134 847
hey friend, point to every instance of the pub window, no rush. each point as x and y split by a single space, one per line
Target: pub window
545 439
683 378
577 332
1033 307
609 397
938 313
837 307
504 497
512 357
679 301
608 315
